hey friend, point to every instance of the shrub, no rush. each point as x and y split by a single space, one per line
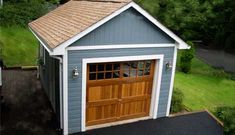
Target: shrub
23 12
227 115
220 73
177 101
186 59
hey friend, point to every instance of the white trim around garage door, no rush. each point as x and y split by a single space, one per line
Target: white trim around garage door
156 84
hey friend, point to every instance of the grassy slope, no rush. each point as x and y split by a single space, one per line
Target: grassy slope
204 90
19 46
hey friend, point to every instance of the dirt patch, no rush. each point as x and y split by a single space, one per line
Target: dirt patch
26 109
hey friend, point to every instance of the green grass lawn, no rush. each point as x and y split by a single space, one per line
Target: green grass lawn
18 46
205 87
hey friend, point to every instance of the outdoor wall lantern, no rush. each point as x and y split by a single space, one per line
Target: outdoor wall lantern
168 65
75 72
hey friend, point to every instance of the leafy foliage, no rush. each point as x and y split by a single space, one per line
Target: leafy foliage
186 59
212 21
177 101
22 12
226 114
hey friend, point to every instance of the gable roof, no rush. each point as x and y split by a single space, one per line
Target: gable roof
73 20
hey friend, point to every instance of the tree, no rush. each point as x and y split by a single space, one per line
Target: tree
212 21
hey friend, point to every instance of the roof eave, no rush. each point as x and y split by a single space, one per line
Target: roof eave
47 47
60 49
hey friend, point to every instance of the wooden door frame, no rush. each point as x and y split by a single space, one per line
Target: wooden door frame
155 90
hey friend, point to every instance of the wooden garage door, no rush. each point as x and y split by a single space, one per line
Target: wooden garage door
118 91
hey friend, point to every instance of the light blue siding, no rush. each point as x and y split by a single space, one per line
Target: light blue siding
75 85
130 27
49 76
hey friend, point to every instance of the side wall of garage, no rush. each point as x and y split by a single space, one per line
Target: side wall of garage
49 76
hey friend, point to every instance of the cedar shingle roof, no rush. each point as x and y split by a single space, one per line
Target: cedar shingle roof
72 18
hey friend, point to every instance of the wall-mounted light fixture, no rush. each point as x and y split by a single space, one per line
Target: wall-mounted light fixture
168 65
75 72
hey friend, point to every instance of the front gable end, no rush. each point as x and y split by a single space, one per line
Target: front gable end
129 27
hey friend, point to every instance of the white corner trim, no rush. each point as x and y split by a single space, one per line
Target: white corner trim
172 82
119 46
59 50
156 87
65 93
42 43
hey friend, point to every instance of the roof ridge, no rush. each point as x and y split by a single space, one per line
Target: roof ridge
111 1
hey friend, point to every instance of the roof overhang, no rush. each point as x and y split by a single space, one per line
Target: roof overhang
49 50
60 50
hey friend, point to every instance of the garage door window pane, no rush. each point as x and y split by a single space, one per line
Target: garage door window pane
148 64
92 76
108 75
133 73
100 76
93 68
116 74
101 67
108 67
140 65
126 66
134 65
147 72
140 72
126 73
116 66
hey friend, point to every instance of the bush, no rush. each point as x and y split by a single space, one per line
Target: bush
227 115
23 12
220 73
177 101
186 59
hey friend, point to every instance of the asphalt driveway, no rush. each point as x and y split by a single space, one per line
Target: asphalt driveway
218 59
200 123
26 109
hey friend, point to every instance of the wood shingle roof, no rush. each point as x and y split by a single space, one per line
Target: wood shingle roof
72 18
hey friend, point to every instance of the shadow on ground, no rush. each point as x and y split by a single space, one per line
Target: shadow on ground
26 110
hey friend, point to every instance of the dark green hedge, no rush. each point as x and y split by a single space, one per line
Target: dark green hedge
177 101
